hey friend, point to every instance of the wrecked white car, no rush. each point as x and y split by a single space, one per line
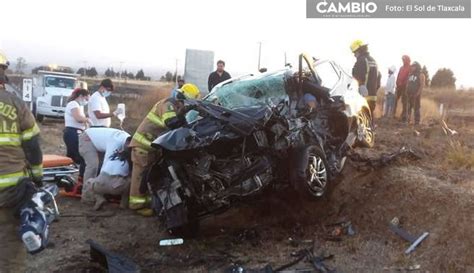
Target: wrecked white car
253 131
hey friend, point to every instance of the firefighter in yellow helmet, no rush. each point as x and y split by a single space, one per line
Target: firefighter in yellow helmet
166 114
20 167
366 73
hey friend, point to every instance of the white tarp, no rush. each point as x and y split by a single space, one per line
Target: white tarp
199 64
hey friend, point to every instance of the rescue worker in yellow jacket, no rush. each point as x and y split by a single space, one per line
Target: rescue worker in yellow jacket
20 159
166 114
365 71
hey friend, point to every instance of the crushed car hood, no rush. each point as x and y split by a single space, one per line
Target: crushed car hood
218 124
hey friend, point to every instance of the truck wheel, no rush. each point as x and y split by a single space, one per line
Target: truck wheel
38 117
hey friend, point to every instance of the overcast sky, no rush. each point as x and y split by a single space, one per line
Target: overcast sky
152 34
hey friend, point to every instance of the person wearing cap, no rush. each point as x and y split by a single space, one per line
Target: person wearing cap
390 92
98 109
402 80
415 84
165 115
366 73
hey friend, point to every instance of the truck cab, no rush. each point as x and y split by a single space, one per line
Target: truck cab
51 91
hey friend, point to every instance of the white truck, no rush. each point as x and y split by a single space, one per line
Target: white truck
51 91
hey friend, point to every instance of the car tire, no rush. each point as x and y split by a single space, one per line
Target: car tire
365 129
311 175
38 117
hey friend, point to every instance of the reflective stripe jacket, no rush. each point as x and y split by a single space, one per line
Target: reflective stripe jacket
161 118
365 71
20 153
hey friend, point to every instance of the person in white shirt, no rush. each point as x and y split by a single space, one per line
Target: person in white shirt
390 92
101 140
75 122
98 109
114 177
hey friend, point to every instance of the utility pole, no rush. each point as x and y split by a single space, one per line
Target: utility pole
176 73
120 73
284 65
84 70
259 53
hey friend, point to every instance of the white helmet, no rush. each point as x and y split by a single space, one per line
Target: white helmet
3 60
392 68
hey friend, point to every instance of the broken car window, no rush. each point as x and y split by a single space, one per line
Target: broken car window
261 90
328 75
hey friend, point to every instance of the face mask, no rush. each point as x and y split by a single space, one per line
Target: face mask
106 93
82 102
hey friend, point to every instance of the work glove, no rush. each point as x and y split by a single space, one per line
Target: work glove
363 90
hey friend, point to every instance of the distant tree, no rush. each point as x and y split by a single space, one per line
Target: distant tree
130 76
444 77
35 70
169 76
140 75
81 71
107 73
63 69
91 72
20 65
176 79
424 70
124 74
38 68
163 78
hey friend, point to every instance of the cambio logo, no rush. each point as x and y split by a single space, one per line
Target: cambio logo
349 7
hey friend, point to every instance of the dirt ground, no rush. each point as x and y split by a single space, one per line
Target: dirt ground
434 194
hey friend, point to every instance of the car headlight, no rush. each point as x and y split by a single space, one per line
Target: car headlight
42 103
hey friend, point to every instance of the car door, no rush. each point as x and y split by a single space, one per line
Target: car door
329 76
349 89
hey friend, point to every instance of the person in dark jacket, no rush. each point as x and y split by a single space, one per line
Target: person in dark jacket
402 80
415 84
366 73
217 76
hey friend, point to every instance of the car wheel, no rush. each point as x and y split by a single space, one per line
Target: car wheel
313 181
365 130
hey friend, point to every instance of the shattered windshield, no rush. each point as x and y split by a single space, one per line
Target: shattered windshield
262 90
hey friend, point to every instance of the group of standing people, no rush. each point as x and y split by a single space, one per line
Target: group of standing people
405 87
409 85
